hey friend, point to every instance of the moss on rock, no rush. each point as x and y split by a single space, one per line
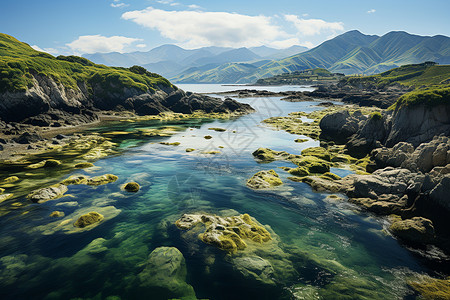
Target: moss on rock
190 149
318 152
226 233
415 230
103 179
264 180
313 164
431 288
132 187
83 165
88 219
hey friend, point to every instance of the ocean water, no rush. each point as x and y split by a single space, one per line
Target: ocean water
326 249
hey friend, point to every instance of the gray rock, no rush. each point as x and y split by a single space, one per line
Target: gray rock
440 194
165 275
254 268
341 124
48 193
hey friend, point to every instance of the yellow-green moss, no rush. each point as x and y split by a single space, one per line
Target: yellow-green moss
132 187
432 288
103 179
329 175
318 152
10 179
190 149
88 219
84 165
170 144
208 137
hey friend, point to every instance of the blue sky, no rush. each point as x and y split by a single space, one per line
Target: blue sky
87 26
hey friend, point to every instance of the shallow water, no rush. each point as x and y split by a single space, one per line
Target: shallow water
333 248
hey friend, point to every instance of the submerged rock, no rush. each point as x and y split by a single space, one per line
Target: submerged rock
415 230
255 268
190 149
88 219
84 165
48 193
57 214
49 163
132 187
5 197
75 180
10 179
266 154
103 179
264 180
165 275
226 233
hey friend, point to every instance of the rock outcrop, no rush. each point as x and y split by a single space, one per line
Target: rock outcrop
264 180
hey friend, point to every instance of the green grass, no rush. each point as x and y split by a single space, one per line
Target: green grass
19 63
415 75
430 96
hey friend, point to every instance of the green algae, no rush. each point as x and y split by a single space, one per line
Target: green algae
264 180
132 187
88 219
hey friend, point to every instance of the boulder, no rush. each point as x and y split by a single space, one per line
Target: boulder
440 195
48 193
165 275
132 187
264 180
88 219
254 269
415 230
340 125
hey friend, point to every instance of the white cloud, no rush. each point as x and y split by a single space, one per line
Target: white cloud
37 48
371 11
141 45
119 4
309 27
52 51
98 43
196 28
194 6
305 15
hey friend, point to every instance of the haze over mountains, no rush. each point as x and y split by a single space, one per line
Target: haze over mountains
348 53
170 60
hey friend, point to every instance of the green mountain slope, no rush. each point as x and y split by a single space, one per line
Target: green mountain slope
355 53
226 73
19 62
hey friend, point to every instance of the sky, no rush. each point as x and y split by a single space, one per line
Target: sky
88 26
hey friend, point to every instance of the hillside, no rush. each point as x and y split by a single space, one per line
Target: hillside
39 89
313 76
414 75
357 53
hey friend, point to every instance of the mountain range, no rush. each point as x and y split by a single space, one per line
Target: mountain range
350 53
170 60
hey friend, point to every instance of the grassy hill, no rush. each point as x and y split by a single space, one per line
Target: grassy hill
19 62
415 75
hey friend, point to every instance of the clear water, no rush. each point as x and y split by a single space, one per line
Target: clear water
312 228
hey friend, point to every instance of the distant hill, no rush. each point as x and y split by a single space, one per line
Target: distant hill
354 53
313 76
171 60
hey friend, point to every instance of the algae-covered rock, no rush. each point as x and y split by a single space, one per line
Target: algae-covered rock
75 180
165 275
431 288
48 193
266 154
313 164
49 163
170 144
208 137
5 197
217 129
10 179
300 171
301 140
83 165
415 230
254 268
264 180
190 149
57 214
330 176
88 219
211 152
227 233
103 179
131 187
318 152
